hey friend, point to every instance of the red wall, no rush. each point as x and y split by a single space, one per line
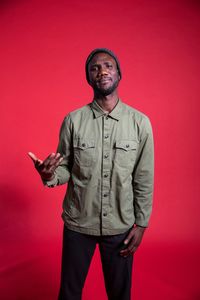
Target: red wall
43 47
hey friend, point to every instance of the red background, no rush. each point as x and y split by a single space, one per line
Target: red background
43 47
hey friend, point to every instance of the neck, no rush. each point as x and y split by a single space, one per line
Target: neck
107 103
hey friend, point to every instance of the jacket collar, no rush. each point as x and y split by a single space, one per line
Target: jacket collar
115 113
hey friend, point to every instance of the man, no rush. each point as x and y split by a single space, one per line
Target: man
105 153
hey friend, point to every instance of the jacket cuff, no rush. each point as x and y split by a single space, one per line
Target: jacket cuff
51 183
141 223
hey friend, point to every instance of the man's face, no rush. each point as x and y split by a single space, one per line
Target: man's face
103 74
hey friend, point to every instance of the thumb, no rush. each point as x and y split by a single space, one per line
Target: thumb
130 236
33 157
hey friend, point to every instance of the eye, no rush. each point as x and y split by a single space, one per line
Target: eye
94 68
109 66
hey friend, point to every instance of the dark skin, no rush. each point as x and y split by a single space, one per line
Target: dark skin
104 79
47 167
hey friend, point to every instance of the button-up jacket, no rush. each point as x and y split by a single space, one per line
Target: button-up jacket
108 163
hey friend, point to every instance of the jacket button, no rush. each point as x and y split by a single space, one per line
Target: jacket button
83 145
106 156
127 146
104 214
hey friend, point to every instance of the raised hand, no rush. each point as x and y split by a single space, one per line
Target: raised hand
47 167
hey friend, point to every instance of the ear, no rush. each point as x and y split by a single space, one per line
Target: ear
89 81
118 74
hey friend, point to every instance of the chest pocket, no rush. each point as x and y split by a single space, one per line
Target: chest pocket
125 152
84 152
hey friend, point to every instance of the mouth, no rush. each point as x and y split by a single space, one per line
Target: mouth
104 81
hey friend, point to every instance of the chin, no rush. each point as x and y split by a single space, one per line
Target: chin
105 92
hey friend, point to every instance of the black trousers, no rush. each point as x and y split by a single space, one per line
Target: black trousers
78 250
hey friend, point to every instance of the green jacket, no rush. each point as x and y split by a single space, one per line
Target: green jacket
108 164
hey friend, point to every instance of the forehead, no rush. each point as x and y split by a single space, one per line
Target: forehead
102 57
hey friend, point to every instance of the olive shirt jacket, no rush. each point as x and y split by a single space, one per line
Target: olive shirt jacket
108 162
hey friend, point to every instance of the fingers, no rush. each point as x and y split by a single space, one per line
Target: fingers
129 237
47 167
52 161
33 157
132 241
129 250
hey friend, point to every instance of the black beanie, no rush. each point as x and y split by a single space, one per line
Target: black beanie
98 50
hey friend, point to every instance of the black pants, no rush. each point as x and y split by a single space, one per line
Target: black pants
78 250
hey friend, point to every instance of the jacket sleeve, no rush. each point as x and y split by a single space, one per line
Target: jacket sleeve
65 148
143 176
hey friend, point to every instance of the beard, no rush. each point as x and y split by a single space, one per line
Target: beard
105 91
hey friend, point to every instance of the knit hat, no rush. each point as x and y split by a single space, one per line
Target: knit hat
98 50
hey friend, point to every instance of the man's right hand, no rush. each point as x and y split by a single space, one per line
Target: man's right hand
47 167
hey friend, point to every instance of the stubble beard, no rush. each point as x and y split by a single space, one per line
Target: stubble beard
106 91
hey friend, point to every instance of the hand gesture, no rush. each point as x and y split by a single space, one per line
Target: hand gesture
47 167
133 240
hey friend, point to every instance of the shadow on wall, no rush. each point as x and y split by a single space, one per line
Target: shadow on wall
4 4
26 269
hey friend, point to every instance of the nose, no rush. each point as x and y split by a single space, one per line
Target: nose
102 72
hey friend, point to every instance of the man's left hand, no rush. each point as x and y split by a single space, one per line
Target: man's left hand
133 240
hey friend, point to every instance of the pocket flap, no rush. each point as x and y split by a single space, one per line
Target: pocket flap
126 145
84 144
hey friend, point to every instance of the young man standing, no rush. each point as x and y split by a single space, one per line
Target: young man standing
105 153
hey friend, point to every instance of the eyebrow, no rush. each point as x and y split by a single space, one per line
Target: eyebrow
105 62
